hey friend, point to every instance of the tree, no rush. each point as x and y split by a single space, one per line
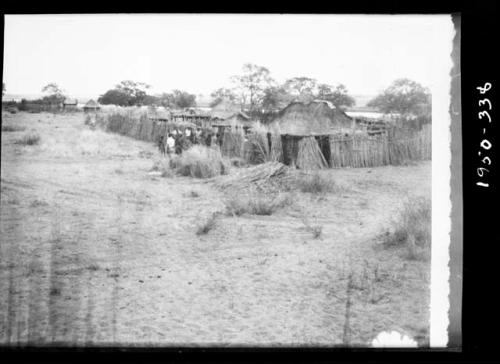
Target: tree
338 96
126 93
183 99
403 96
222 94
275 97
115 97
251 85
54 94
301 88
135 90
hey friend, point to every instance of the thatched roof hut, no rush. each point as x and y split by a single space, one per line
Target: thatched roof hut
91 105
305 131
224 110
314 118
70 104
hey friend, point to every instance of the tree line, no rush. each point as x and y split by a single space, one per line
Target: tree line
258 93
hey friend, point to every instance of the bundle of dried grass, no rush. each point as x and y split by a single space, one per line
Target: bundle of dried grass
258 150
310 155
259 176
233 145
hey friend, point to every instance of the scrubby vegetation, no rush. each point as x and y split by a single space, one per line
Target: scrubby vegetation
207 225
315 183
412 229
198 161
12 128
29 139
256 203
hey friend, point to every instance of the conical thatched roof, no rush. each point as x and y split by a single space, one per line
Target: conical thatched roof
314 118
92 104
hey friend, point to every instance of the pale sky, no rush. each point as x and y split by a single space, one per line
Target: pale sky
89 54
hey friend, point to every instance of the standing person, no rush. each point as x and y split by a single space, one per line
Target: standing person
161 145
178 143
170 144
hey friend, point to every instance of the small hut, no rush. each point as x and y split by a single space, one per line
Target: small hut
91 106
70 104
305 131
228 115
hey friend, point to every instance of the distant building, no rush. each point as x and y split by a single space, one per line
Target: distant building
70 104
227 114
91 106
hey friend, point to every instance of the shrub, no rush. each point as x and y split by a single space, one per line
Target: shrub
412 229
29 139
255 204
199 162
12 128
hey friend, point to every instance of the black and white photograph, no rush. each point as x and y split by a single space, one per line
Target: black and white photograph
227 180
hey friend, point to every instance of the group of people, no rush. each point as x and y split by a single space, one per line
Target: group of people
177 141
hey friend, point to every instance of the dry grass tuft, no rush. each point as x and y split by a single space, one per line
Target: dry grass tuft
256 203
207 225
199 162
315 183
29 139
412 229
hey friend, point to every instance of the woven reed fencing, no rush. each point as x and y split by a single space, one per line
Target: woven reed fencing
380 150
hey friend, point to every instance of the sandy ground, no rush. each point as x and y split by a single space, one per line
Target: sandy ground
96 250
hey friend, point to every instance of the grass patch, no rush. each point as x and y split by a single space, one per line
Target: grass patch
412 229
315 184
12 128
207 225
38 203
29 139
256 204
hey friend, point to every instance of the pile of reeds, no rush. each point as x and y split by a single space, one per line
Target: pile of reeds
309 155
259 150
258 176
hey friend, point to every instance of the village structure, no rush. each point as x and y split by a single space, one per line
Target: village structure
311 135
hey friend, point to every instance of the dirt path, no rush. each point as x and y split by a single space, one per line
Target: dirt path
94 249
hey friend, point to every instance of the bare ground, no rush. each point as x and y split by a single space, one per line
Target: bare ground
97 250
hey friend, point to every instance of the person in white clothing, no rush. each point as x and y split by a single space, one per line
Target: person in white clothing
170 144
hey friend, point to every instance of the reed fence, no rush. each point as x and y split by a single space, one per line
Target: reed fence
380 150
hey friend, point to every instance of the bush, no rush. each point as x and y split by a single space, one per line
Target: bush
29 139
255 204
199 162
412 229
